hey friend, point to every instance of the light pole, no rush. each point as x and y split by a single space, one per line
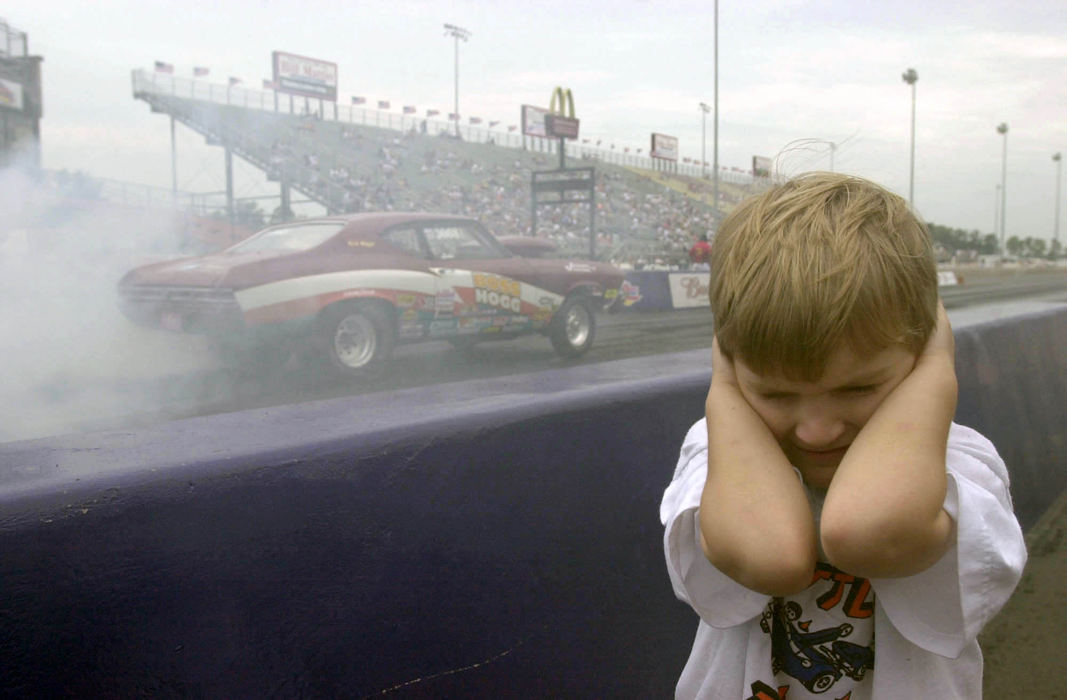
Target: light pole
996 213
911 77
1002 129
457 33
1056 158
704 109
715 137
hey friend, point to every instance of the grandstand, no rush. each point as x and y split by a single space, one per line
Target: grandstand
347 160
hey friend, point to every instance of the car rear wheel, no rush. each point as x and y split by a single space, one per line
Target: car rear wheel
573 327
359 339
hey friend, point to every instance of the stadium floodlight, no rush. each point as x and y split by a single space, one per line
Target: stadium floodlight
910 77
457 33
1002 129
704 109
1058 160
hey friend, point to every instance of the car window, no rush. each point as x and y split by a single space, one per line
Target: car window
289 238
405 238
459 242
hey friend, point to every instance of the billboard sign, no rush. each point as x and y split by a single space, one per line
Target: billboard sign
665 147
689 289
11 95
309 77
761 166
561 127
533 121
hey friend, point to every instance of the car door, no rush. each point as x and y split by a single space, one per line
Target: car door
481 287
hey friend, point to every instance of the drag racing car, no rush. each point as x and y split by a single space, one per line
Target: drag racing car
355 286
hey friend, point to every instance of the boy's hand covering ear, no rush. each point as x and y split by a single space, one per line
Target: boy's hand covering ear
722 368
941 346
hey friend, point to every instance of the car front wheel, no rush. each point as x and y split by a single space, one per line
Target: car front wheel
359 339
573 327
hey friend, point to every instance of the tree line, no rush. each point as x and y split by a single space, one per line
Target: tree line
987 244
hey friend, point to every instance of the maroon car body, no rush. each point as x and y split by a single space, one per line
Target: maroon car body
361 283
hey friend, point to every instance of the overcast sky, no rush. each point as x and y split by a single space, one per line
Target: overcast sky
788 70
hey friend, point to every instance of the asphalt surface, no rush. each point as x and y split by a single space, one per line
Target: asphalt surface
155 376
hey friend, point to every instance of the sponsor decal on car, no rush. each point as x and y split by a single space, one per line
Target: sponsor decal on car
361 244
445 301
579 267
499 292
405 301
443 327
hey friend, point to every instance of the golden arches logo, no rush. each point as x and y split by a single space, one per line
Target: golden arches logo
565 99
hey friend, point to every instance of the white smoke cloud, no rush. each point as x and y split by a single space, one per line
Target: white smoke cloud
71 362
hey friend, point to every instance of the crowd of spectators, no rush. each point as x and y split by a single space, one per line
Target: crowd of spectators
642 218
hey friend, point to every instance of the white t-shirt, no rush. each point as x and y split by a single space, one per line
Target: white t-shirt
886 639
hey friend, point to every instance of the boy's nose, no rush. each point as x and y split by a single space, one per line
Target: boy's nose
819 431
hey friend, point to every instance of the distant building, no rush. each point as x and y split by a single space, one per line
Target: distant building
20 100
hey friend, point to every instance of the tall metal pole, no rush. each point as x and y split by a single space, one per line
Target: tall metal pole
911 77
1057 158
833 147
1002 129
704 109
457 33
173 159
996 213
715 163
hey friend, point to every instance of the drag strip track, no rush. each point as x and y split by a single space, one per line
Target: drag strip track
212 389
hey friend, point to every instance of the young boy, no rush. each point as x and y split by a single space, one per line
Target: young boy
838 535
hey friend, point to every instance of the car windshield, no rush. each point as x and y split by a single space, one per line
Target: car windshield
289 238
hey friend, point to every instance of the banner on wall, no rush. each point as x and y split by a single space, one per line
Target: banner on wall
689 289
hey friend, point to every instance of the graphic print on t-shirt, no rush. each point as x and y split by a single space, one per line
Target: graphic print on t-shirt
834 649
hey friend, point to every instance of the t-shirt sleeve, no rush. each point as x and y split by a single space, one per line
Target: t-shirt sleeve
943 608
717 599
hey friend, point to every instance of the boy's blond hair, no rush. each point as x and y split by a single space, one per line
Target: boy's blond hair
818 261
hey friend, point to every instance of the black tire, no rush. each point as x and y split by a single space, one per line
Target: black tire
573 328
358 339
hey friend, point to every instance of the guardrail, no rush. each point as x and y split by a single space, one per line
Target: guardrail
492 538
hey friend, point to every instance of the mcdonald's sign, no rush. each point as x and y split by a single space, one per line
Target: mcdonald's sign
565 99
560 121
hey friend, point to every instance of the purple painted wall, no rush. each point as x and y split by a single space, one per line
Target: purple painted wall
427 541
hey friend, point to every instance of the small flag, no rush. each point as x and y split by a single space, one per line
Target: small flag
685 160
492 124
585 140
408 109
162 67
626 150
268 84
383 104
476 120
432 112
234 81
453 116
359 100
512 127
200 72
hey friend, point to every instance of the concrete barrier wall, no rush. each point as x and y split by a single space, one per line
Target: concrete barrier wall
498 537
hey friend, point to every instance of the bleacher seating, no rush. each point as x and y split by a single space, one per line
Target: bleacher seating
643 216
